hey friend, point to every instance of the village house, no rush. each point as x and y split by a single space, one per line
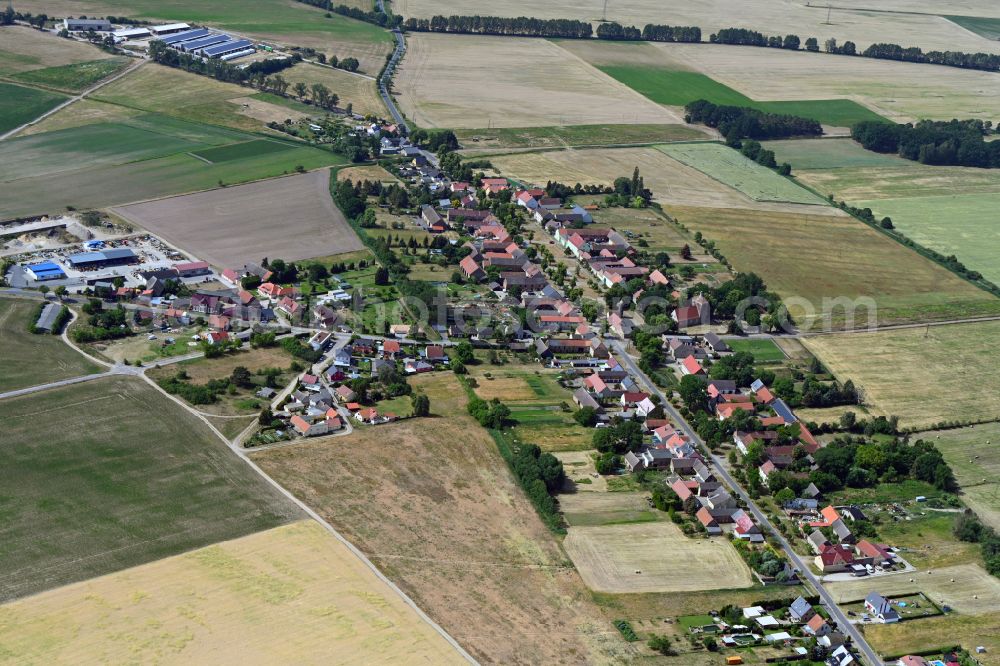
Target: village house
345 394
880 609
800 610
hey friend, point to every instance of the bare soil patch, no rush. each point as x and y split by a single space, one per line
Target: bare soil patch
285 595
292 218
643 558
431 502
472 81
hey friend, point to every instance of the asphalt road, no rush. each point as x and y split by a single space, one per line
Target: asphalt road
848 629
386 78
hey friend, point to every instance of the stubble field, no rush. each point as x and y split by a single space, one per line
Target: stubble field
293 594
292 218
921 375
431 502
110 474
643 558
461 81
782 17
29 359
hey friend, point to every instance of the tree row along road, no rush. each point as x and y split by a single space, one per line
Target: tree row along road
835 613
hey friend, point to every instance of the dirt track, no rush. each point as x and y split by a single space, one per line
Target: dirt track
290 218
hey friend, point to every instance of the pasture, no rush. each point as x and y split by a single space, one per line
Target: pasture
680 87
29 359
672 182
360 91
974 456
23 49
19 104
283 595
439 512
731 168
609 557
804 262
123 476
75 77
230 226
923 29
511 82
905 372
962 225
483 139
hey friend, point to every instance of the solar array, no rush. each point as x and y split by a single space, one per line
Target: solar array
227 47
187 35
202 42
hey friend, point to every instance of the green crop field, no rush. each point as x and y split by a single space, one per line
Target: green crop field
29 359
806 256
111 474
104 164
962 225
678 88
828 154
985 27
576 135
18 104
244 150
763 350
75 77
731 168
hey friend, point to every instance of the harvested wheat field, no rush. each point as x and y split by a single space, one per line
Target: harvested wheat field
670 181
472 81
355 89
921 375
773 17
292 218
643 558
293 594
439 513
899 91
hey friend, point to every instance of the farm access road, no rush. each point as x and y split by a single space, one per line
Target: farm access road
826 598
60 107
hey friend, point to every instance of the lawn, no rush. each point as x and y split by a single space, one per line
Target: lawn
574 135
75 77
29 359
905 372
19 105
434 506
975 459
122 477
957 224
829 257
268 596
763 350
730 167
679 88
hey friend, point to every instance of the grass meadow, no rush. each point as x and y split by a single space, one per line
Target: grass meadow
110 474
19 104
922 375
679 87
741 173
764 350
974 455
29 359
74 77
828 154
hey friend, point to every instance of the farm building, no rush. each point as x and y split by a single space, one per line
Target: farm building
46 270
186 36
169 28
131 33
113 257
47 318
84 25
230 49
193 268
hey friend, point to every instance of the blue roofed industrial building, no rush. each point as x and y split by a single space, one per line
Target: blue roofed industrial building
226 48
187 35
46 270
113 257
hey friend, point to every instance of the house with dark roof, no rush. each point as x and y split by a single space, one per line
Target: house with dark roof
880 609
716 344
800 610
